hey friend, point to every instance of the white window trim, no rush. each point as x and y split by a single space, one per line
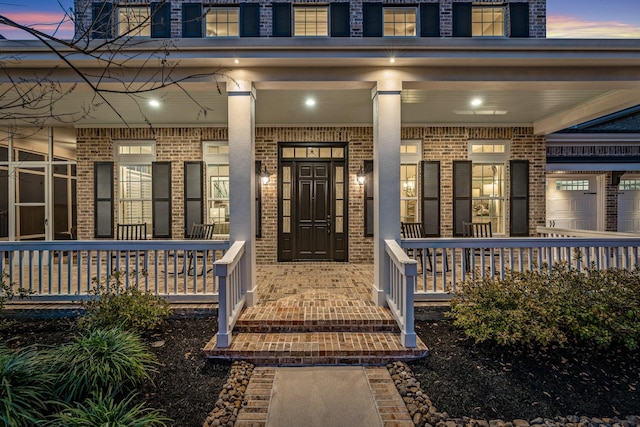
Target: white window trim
221 7
400 7
131 159
217 160
138 27
412 159
504 20
311 6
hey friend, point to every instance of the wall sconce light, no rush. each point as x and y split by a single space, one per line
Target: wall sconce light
361 176
265 176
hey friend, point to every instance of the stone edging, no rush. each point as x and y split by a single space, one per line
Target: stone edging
424 414
231 396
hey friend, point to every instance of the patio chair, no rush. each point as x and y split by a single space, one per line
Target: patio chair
479 230
129 232
198 232
414 230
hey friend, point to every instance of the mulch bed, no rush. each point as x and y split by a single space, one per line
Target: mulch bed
460 377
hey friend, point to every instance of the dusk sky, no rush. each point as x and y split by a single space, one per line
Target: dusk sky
565 18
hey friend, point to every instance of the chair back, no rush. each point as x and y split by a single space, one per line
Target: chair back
132 231
202 231
411 230
476 229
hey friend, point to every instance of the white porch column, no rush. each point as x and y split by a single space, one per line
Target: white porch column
242 207
386 178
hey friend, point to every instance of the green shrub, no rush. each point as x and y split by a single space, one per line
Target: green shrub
25 388
112 304
99 359
106 411
595 307
8 293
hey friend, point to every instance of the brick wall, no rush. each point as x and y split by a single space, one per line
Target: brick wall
185 144
537 14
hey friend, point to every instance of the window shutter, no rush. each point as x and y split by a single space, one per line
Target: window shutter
431 198
462 20
258 186
519 19
160 19
340 25
193 195
191 19
372 20
102 20
519 198
281 19
249 20
461 195
368 198
103 199
429 19
161 196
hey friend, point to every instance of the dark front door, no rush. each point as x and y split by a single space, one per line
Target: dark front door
313 207
312 200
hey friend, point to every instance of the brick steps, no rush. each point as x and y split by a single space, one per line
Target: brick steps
316 348
316 319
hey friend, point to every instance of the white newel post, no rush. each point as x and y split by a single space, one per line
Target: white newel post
242 207
386 178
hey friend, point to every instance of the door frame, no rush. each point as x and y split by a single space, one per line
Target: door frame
336 240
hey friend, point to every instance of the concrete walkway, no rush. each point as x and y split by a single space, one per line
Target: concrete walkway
321 396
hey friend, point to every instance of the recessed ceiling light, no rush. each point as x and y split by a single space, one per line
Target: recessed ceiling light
237 61
476 102
392 60
310 102
154 103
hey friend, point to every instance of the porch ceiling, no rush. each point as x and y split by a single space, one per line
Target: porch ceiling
546 84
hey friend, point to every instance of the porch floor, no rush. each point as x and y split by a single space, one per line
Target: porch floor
316 313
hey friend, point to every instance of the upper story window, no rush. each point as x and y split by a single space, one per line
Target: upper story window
487 21
223 22
399 22
311 21
134 21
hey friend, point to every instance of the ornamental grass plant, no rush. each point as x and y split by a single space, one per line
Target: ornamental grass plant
99 360
25 387
105 410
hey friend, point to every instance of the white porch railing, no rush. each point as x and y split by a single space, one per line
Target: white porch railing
66 271
232 297
402 274
568 232
455 259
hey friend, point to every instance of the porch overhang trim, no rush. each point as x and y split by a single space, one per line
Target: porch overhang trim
589 167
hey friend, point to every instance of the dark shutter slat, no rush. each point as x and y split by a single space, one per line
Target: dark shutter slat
519 198
519 19
103 199
161 196
281 19
462 170
372 19
193 195
431 198
462 20
368 198
429 19
102 20
249 20
160 19
340 25
191 19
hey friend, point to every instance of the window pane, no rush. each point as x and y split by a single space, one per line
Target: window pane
399 22
487 21
310 21
134 21
222 22
488 195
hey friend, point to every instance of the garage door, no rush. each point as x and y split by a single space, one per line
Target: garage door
629 204
572 202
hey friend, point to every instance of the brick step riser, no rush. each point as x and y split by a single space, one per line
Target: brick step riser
317 360
285 327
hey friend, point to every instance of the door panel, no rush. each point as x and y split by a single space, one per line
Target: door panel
313 235
572 202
